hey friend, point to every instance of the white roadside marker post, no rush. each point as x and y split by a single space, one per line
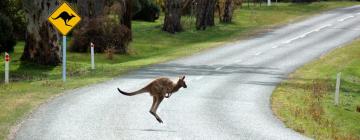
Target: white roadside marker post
268 2
7 59
64 59
92 56
338 77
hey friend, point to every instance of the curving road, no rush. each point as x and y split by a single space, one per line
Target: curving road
228 94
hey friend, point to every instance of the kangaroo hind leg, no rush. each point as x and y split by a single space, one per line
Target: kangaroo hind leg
156 103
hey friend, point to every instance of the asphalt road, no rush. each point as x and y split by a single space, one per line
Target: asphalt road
228 94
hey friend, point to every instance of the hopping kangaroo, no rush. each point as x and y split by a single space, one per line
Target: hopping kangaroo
160 88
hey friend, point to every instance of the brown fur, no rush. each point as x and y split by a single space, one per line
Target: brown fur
159 88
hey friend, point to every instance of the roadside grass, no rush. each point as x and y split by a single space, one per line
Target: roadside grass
32 84
305 102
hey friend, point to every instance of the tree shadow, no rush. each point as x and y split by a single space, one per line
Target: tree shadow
30 71
172 70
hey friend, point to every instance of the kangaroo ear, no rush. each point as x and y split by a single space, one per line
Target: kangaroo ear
183 77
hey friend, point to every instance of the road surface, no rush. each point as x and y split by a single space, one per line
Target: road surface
228 94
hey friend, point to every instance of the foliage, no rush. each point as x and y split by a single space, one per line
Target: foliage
160 3
13 10
104 32
145 10
303 1
110 51
7 40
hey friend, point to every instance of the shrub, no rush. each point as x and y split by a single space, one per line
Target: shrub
110 53
145 10
104 32
7 39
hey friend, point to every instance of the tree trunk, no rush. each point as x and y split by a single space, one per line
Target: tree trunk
126 18
172 21
90 8
41 43
226 9
205 13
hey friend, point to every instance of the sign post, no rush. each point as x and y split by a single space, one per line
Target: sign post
64 58
64 18
92 55
7 59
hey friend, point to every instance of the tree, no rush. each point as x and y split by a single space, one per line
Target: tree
90 8
205 13
172 21
13 10
303 1
41 41
108 28
127 14
145 10
7 40
226 9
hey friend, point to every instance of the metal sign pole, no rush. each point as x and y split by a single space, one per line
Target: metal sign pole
64 59
92 56
7 59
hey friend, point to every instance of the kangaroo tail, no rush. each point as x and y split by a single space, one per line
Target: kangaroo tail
54 18
132 93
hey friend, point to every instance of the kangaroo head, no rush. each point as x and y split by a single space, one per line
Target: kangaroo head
181 82
72 15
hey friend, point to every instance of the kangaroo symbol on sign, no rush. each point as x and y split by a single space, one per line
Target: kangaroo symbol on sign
64 16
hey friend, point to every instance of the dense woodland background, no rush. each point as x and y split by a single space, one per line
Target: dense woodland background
106 22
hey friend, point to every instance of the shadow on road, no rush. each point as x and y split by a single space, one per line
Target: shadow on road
174 70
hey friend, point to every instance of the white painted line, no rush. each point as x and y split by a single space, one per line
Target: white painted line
343 19
275 46
304 35
322 27
258 53
219 68
291 40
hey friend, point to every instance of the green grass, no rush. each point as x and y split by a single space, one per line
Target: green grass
311 110
32 84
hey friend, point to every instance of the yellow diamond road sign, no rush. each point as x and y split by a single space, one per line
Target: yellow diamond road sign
64 18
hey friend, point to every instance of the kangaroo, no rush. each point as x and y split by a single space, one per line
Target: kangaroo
159 89
64 16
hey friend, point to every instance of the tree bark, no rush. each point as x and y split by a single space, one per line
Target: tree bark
172 21
226 9
205 13
41 42
90 8
127 15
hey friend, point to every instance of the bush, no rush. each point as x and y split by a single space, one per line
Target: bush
104 33
7 39
145 10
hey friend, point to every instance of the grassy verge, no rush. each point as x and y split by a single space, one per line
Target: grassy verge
305 102
32 84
